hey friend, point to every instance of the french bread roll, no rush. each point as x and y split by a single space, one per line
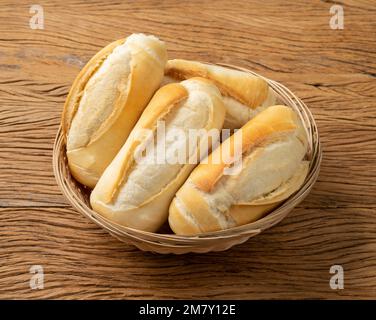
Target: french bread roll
106 100
244 94
272 148
136 191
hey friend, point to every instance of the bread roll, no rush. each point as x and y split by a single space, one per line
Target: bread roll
106 100
136 192
244 94
272 147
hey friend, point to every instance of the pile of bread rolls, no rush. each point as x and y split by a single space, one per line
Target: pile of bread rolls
129 88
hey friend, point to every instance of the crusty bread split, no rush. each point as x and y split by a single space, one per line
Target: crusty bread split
272 148
106 100
244 94
137 194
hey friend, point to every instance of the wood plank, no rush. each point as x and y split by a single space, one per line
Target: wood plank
83 261
301 34
333 71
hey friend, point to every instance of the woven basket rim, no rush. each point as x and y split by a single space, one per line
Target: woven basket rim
171 240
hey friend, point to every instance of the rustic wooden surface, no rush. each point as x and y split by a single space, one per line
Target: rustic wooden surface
289 41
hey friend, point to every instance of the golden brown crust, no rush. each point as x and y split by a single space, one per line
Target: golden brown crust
273 121
244 87
86 158
178 222
151 211
73 99
199 207
164 100
191 198
243 214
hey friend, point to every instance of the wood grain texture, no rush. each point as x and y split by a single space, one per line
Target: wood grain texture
333 71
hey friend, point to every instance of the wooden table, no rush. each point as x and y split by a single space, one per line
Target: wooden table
333 71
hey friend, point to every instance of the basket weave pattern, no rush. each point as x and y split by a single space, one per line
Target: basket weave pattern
78 195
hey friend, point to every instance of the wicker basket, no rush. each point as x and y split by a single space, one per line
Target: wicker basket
78 196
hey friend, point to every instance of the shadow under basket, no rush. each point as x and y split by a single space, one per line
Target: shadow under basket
78 195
